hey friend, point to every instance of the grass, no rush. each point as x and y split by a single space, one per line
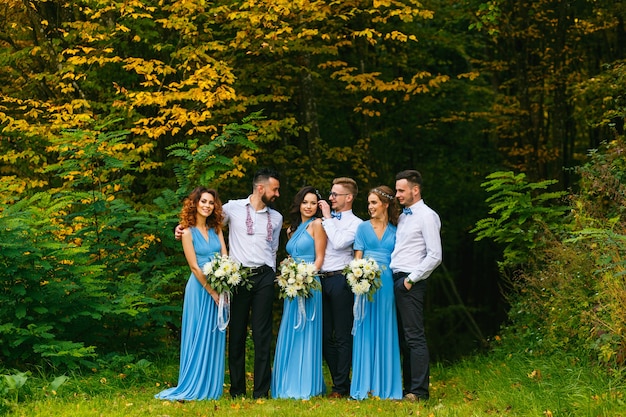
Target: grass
493 385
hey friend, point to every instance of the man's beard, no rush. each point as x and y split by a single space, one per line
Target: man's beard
267 201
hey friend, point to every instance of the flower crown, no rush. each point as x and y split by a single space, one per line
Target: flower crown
382 193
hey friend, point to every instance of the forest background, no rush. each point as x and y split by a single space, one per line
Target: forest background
111 111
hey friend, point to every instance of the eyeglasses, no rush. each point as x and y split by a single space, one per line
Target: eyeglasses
335 195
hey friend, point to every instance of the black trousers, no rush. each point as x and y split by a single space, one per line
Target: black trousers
415 357
337 302
258 301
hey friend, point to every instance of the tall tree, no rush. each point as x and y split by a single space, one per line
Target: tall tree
324 72
539 51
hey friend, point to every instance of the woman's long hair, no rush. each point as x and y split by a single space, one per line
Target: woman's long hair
189 210
294 212
386 195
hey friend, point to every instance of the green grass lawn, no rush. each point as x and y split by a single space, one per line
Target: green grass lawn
495 385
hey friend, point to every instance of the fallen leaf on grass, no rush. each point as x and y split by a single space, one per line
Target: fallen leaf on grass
469 396
535 374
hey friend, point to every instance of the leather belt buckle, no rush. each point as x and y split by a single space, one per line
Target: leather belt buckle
259 269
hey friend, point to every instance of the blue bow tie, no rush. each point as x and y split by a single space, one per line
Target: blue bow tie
407 210
336 215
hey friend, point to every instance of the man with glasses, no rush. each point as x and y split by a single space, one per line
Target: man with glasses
340 225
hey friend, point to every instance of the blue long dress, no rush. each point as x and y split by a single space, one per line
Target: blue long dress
298 359
202 344
376 369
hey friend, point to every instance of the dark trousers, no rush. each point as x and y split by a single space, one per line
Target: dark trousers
410 306
259 300
337 302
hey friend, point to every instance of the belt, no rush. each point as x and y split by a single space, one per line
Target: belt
258 270
330 274
399 275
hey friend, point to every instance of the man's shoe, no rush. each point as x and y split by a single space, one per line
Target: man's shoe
410 397
413 398
335 394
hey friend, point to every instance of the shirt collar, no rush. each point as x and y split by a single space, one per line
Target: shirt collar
414 206
249 203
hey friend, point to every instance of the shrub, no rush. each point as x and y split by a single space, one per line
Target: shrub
85 269
600 231
567 273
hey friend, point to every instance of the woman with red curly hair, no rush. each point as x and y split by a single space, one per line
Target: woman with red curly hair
202 346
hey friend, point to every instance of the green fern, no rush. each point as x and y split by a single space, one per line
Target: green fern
201 163
522 213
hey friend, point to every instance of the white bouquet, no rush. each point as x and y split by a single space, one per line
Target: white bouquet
363 276
225 275
296 278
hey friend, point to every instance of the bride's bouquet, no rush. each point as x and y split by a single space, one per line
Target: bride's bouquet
296 279
363 276
225 275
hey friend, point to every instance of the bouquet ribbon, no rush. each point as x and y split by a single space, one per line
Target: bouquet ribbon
223 311
302 318
358 311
